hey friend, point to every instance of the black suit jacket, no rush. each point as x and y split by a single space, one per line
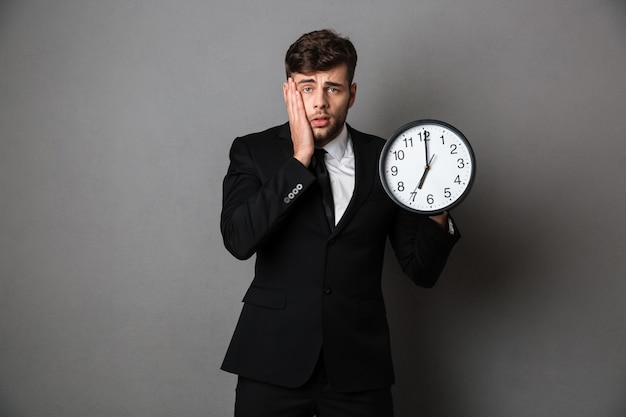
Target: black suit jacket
317 290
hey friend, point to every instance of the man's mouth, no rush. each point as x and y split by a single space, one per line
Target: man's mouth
322 121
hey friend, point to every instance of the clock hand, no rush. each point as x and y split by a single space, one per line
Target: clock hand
426 149
419 185
426 169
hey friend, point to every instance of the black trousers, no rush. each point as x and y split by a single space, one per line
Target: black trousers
315 398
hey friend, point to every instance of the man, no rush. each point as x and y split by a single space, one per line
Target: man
313 338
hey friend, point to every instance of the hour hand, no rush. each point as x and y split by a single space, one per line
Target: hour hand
426 169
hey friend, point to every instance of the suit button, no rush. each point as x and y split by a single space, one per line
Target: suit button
328 290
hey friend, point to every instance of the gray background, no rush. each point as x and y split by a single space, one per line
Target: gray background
116 295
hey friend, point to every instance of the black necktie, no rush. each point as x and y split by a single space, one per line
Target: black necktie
320 171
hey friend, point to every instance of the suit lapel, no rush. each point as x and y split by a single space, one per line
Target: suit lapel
366 167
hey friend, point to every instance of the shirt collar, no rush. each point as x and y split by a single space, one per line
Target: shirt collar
337 147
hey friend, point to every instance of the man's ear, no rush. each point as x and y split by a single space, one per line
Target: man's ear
352 95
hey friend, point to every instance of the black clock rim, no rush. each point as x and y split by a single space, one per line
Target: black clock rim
395 135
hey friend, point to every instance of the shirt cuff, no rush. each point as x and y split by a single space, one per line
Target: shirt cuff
450 226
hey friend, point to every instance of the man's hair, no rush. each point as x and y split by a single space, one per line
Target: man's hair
320 50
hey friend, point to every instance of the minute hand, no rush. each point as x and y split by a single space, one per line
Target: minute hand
426 169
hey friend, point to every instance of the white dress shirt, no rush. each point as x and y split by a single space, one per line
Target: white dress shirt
339 160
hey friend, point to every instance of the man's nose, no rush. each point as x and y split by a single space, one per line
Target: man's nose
321 100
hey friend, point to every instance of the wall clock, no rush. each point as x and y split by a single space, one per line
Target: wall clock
427 166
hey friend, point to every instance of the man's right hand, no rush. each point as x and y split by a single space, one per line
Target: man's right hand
301 132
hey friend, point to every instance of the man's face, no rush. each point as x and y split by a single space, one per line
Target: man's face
327 96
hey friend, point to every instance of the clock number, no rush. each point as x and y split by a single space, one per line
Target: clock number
453 151
408 142
394 170
443 140
413 195
447 193
461 164
430 199
425 137
400 186
399 155
457 180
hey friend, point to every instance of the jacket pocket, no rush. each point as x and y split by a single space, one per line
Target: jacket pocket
265 297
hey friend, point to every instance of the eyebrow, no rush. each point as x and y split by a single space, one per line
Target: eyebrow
327 83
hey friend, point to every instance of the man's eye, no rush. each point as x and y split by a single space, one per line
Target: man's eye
333 90
307 89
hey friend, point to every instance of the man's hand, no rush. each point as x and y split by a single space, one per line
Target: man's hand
301 133
441 219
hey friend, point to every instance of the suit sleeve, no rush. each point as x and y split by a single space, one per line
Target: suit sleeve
421 246
254 205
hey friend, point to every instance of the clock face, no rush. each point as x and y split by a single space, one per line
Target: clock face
427 166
